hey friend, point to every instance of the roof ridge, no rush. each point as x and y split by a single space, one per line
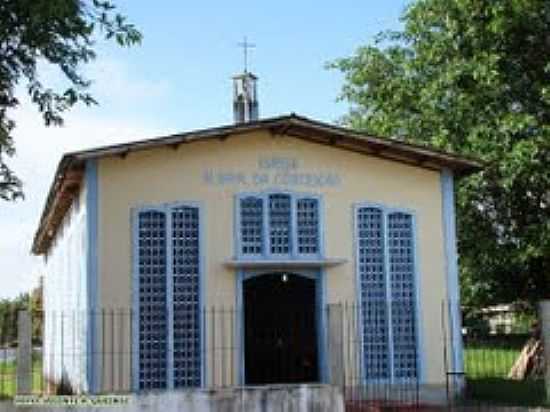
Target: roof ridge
290 124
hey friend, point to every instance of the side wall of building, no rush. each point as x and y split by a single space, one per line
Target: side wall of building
66 299
213 172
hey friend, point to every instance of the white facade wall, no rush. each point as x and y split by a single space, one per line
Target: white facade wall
66 313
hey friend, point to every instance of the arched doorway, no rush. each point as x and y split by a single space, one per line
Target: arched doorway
280 321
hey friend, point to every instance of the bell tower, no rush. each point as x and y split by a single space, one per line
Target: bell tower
245 94
245 98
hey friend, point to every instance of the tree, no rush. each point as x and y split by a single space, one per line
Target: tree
9 309
36 303
472 77
61 33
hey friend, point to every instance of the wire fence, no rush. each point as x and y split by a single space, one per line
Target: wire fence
380 359
215 347
356 347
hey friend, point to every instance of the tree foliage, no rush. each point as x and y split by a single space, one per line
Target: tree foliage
9 310
473 77
61 33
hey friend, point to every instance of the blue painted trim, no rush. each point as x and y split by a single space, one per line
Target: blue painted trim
321 212
240 327
386 211
135 301
202 288
266 238
293 240
451 260
92 217
169 298
278 190
421 352
305 272
300 263
387 276
236 225
322 327
355 231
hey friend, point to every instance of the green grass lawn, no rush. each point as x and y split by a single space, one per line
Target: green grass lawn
8 378
487 367
489 361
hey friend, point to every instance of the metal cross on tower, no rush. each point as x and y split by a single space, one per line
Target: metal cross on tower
246 46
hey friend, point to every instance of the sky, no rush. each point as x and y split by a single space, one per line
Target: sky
179 79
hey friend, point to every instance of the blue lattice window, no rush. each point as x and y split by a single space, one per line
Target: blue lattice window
280 224
307 221
168 297
153 321
373 299
186 272
401 270
251 215
386 270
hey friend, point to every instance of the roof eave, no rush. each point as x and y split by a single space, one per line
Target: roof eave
64 181
415 155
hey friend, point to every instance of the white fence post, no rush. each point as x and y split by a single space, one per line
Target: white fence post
24 353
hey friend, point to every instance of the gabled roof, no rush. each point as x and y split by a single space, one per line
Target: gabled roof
68 178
